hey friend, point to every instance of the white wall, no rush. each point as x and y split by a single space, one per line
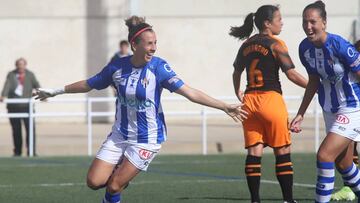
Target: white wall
69 40
193 35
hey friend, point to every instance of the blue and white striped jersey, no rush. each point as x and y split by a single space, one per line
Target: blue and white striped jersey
336 63
139 116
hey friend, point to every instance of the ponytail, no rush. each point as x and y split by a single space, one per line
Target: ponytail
244 31
136 25
263 13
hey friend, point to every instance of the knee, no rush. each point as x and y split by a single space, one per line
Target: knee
113 187
344 163
282 150
93 184
340 166
323 156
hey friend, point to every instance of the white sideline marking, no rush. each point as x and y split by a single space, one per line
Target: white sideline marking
44 185
295 184
152 182
31 165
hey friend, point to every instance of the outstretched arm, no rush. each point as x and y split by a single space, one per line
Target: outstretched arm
197 96
77 87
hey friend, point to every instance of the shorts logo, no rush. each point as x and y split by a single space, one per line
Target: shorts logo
145 154
340 118
357 130
343 128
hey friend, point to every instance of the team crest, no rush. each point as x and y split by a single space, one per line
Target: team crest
145 82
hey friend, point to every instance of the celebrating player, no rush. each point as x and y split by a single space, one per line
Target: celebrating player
333 65
139 127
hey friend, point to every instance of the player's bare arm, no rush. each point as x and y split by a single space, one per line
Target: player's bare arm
288 66
77 87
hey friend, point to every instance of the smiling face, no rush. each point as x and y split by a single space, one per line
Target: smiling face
145 48
314 26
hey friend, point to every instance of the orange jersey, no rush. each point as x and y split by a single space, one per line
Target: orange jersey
262 56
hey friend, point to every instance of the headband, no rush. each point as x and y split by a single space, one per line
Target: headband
139 32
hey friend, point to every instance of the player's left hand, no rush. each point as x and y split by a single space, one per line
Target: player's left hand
236 112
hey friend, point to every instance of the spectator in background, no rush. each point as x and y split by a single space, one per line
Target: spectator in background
123 50
19 83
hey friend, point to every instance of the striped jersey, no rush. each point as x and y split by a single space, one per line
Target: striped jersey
336 63
139 117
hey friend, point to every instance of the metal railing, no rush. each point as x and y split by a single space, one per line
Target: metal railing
205 112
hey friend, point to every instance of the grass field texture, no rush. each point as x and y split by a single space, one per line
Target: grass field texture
195 178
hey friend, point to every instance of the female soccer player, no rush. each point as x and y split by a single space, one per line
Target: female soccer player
262 55
139 128
345 193
333 65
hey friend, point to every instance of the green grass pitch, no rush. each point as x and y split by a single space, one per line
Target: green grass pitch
170 178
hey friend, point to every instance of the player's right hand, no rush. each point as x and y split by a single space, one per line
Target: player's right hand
295 125
44 93
236 112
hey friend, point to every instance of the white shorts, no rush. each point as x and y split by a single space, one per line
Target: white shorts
344 124
139 154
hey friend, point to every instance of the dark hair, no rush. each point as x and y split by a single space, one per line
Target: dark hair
264 13
357 45
136 26
124 42
318 5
